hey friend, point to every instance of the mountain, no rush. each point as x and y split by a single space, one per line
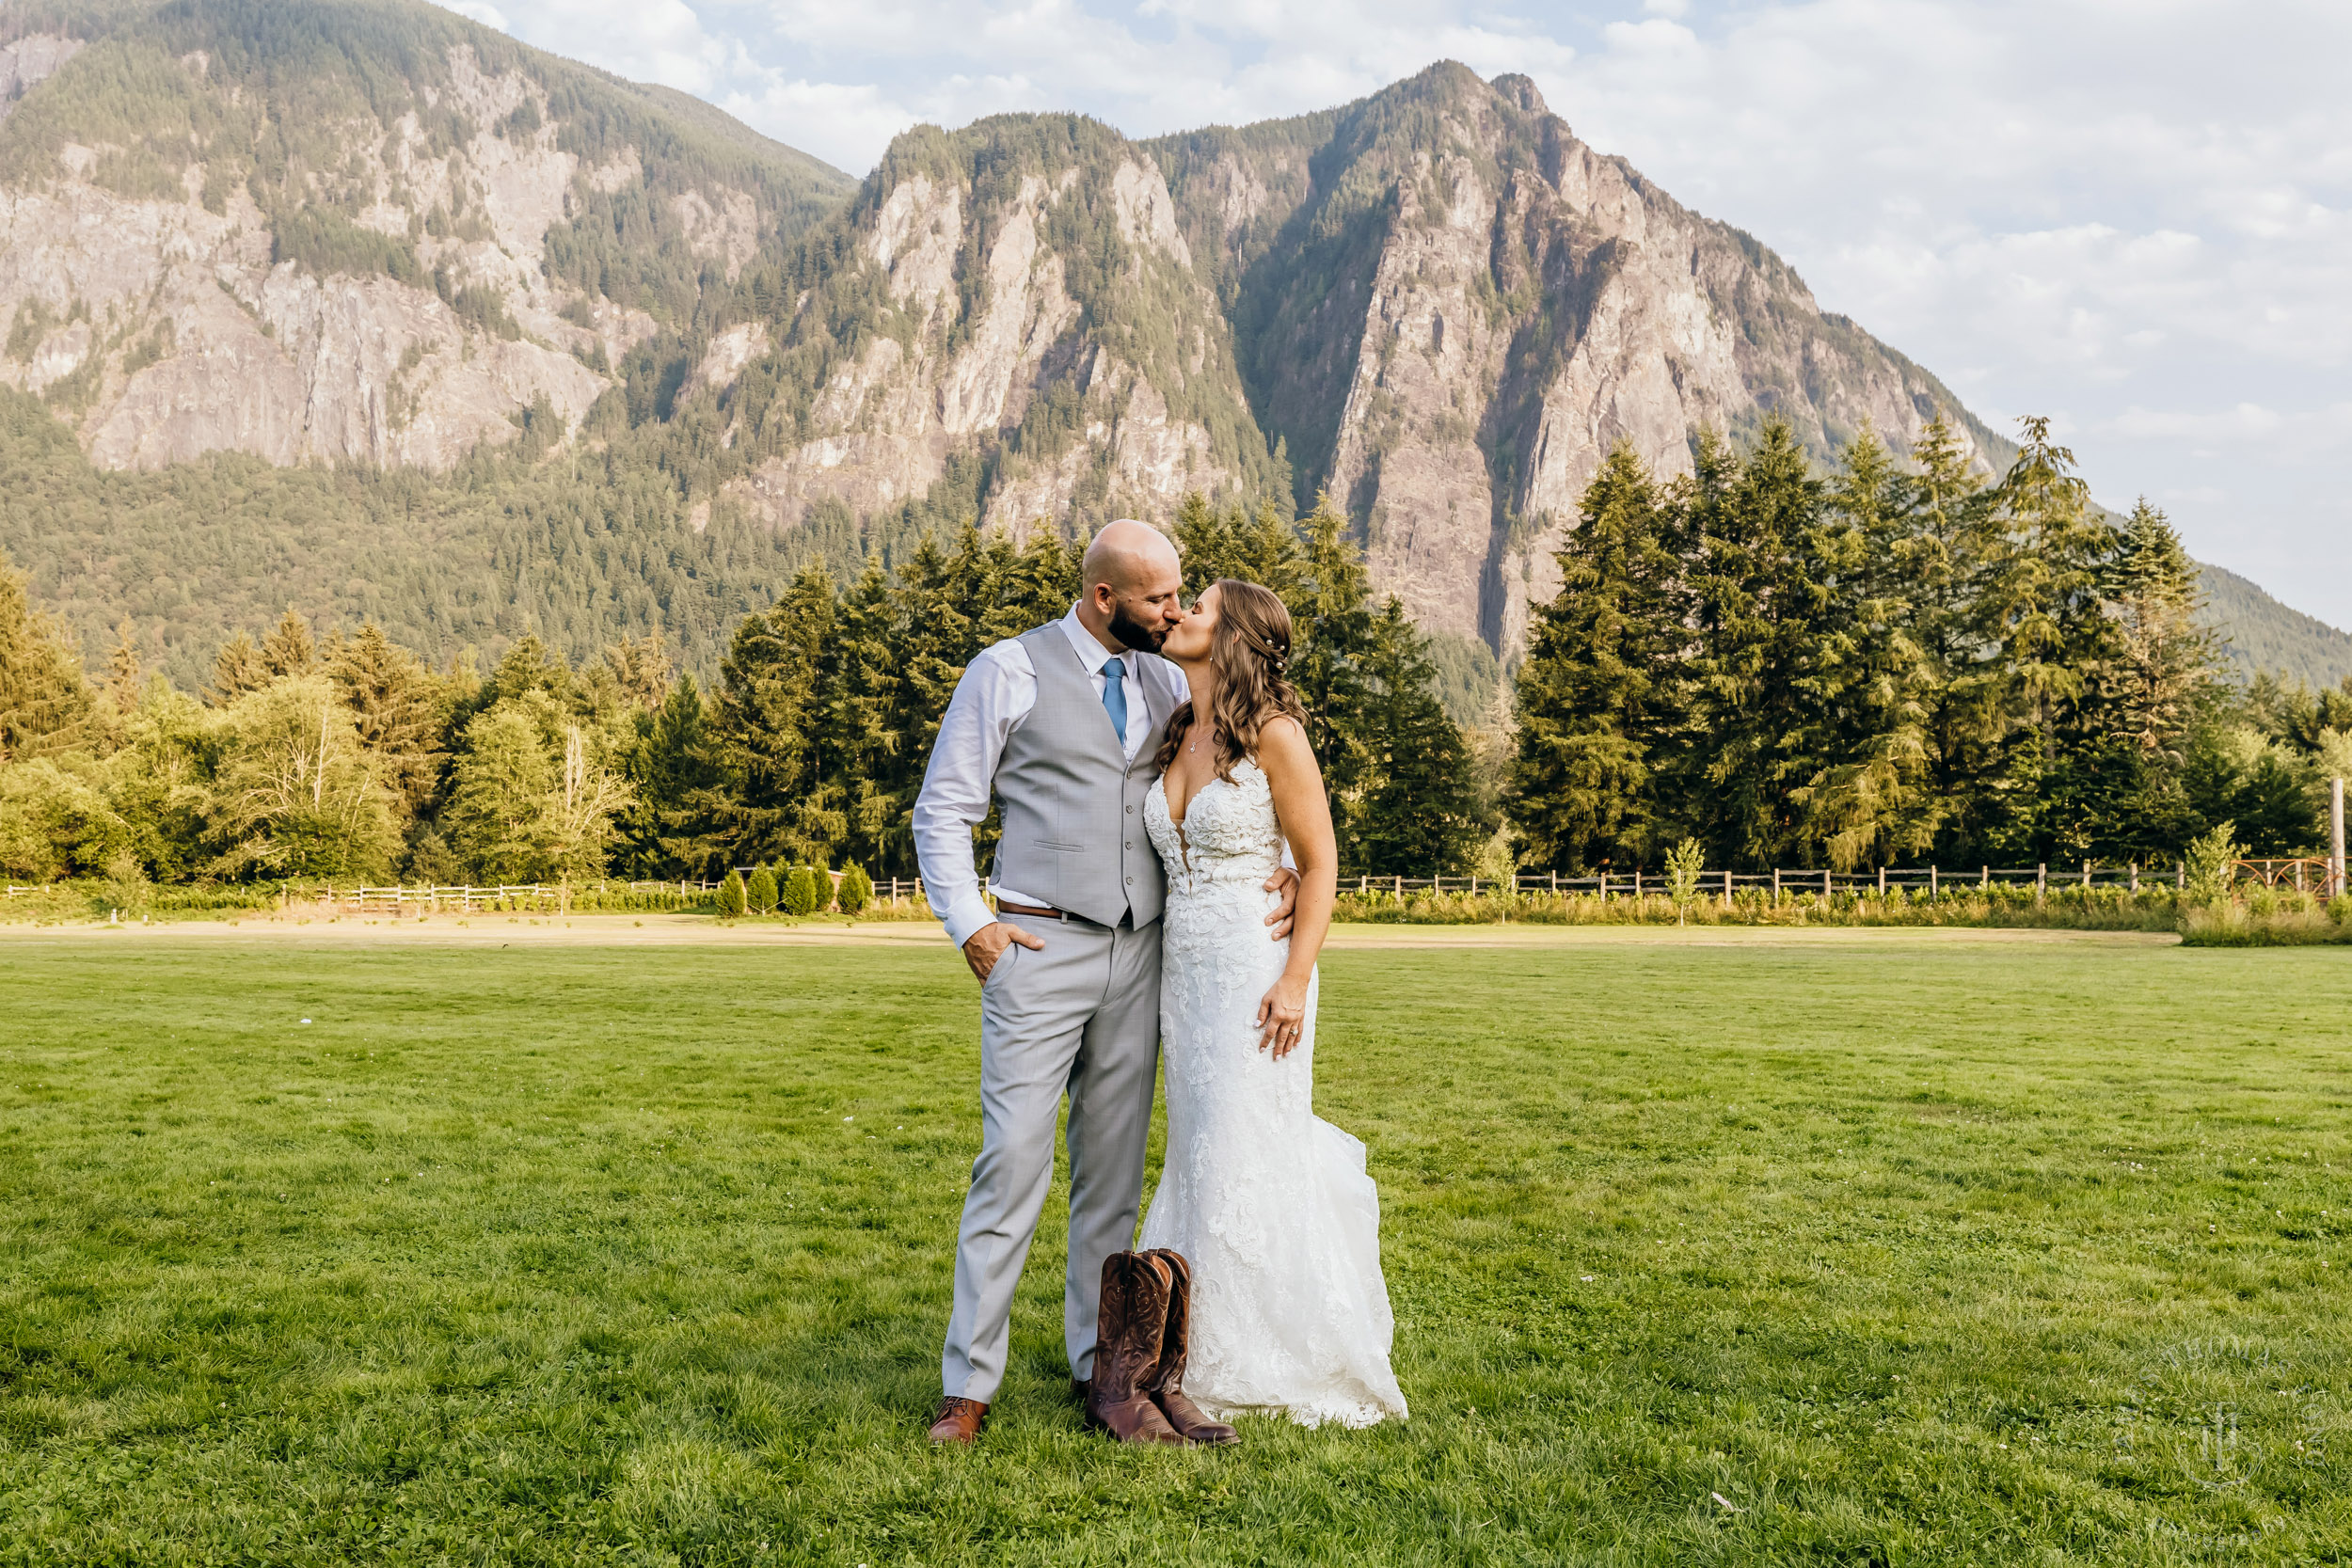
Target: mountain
2262 634
1436 303
369 233
360 306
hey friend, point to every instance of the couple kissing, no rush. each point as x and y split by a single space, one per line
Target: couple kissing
1164 878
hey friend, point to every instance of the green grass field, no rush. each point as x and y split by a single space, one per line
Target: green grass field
1944 1248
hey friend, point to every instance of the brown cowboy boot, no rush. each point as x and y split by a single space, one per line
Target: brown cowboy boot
1127 1349
958 1421
1166 1388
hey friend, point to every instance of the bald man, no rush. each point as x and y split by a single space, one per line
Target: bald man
1062 726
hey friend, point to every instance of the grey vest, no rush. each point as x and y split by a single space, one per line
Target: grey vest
1071 803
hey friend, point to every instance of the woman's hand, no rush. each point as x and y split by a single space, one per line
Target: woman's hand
1283 1016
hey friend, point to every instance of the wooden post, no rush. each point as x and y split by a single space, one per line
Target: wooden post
2180 876
1726 890
2086 873
1985 878
1604 884
1637 882
2335 838
1363 883
2135 878
1882 882
1556 881
1825 887
1474 885
1776 885
1935 888
2041 881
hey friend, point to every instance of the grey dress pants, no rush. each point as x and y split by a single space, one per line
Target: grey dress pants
1080 1017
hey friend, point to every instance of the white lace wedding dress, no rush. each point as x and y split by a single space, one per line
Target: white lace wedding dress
1269 1202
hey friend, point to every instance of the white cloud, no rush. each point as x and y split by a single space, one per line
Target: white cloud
2136 212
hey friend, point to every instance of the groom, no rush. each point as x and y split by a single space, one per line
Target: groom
1062 725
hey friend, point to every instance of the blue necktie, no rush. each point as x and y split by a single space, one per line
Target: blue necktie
1115 697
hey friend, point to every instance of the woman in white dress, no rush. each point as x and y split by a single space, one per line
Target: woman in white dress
1270 1203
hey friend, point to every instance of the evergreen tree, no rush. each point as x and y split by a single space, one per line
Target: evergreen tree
1869 802
1600 696
769 712
1757 602
668 831
1420 815
2166 662
237 669
859 732
640 668
1942 558
124 670
396 706
289 650
499 785
1331 634
45 704
759 891
2047 596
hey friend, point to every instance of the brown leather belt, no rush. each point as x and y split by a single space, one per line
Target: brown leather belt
1031 911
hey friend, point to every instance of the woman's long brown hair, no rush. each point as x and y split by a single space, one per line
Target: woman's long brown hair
1249 650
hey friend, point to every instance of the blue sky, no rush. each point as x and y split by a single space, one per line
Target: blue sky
2135 215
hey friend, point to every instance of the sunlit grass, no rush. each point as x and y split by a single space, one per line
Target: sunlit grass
1906 1249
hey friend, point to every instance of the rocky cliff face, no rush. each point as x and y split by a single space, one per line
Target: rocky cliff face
1461 308
279 253
1438 304
1020 294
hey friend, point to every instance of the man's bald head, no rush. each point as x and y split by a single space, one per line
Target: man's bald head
1127 556
1133 587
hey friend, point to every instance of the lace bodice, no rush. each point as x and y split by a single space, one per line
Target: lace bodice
1229 834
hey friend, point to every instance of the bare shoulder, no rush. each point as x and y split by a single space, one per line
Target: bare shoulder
1282 748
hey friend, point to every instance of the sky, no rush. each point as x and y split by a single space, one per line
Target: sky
2132 215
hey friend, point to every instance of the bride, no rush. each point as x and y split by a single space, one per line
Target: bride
1269 1202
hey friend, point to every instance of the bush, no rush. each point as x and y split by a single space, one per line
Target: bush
801 892
731 899
857 890
760 892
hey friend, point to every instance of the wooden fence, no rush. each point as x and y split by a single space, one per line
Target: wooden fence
2304 874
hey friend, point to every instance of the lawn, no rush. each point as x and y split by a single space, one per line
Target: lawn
1864 1247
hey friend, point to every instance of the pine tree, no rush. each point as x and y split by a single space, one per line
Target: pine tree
1757 602
2165 661
289 650
858 733
237 669
1869 802
1420 815
1331 634
1599 697
46 706
1951 538
124 669
396 706
668 831
640 668
2046 598
764 728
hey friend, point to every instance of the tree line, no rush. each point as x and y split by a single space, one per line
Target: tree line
1892 663
348 758
1896 661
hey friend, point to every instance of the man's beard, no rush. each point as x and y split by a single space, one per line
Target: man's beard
1134 634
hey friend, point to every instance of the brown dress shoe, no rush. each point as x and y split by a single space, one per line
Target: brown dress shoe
1166 1388
1127 1350
958 1421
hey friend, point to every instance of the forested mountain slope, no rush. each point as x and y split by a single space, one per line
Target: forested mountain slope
347 232
356 306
